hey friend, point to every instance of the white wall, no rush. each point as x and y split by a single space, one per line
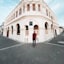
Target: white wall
37 17
40 21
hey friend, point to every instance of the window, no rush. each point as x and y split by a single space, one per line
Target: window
46 25
51 26
31 23
28 7
20 11
49 14
51 17
23 8
46 12
26 27
12 29
13 15
38 7
33 7
16 13
18 29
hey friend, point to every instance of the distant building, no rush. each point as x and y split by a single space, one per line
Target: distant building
30 16
1 29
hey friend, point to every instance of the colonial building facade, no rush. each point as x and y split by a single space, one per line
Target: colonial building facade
30 16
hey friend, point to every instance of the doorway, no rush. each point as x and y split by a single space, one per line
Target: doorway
36 30
8 32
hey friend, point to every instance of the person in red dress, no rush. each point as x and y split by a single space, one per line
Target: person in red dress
34 38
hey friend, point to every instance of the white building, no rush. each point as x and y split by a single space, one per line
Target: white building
30 16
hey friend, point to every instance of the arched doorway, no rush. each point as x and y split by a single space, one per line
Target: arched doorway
55 32
18 29
8 32
12 29
26 30
36 29
51 26
46 27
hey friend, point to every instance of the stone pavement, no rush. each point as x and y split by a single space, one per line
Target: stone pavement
12 52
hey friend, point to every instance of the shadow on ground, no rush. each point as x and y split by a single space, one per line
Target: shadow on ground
5 42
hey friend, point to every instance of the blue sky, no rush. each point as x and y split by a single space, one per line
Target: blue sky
58 8
6 6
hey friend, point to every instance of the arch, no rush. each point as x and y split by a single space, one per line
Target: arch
36 30
23 8
55 32
38 7
46 25
16 13
20 11
36 27
34 7
18 29
26 30
51 26
46 12
26 27
12 29
8 32
28 7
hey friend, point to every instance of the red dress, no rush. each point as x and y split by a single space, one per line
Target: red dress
34 36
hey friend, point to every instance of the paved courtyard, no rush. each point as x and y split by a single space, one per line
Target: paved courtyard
12 52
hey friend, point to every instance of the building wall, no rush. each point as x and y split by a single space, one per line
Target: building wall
43 34
37 17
